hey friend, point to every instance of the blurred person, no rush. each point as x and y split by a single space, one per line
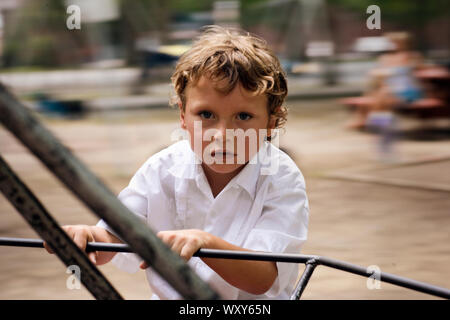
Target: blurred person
228 80
392 83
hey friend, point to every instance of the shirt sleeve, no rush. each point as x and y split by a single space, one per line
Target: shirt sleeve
281 228
134 197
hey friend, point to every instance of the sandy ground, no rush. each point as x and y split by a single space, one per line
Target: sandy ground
404 231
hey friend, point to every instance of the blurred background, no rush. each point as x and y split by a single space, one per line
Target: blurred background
369 122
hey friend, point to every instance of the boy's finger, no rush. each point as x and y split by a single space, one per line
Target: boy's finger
177 246
188 251
49 250
93 257
80 240
143 265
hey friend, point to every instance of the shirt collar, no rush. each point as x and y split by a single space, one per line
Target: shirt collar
248 177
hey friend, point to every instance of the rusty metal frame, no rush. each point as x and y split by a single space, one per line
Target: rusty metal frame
43 223
89 189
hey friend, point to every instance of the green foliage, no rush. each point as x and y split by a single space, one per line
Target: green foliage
44 51
188 6
255 12
405 11
36 34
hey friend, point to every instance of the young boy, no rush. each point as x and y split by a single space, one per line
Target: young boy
226 186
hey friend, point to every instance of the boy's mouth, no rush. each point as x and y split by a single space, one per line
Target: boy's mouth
222 153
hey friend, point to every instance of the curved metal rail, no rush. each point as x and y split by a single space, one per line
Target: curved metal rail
311 262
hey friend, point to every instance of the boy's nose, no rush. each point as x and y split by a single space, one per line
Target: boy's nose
221 133
221 130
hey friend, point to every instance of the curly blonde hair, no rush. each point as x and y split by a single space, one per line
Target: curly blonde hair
236 57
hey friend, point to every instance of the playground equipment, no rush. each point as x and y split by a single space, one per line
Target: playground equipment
140 239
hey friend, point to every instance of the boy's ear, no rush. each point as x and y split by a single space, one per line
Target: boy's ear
182 121
271 125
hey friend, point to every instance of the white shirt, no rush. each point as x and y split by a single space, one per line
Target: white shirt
263 208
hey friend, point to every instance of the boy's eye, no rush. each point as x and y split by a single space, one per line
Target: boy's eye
205 114
244 116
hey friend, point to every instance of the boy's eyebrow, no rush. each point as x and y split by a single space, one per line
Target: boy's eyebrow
200 105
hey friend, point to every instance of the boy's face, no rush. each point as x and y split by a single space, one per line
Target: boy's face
213 121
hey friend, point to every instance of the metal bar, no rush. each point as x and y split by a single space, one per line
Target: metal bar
259 256
43 223
304 279
386 277
20 242
265 256
88 188
202 253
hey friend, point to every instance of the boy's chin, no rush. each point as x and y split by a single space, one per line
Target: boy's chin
224 168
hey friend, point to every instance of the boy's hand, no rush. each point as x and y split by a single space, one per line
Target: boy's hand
183 242
81 235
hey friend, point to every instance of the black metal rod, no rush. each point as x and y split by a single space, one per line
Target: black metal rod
103 203
258 256
265 256
202 253
43 223
304 279
386 277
